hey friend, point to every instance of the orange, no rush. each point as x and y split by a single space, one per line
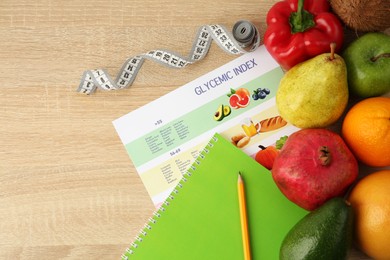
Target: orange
366 130
370 201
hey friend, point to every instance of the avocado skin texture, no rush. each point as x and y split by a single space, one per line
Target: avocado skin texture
325 233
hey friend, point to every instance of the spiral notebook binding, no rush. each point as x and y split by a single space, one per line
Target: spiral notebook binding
157 214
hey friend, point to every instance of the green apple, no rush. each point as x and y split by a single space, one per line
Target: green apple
368 65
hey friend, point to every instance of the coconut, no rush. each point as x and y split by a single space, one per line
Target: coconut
363 15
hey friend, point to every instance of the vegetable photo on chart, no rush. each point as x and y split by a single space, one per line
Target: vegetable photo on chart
266 155
299 30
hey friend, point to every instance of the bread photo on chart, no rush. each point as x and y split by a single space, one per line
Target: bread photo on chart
270 124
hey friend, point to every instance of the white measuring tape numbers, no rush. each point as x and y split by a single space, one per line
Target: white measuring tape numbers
244 38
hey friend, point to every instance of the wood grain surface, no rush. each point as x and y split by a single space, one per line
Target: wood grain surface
68 190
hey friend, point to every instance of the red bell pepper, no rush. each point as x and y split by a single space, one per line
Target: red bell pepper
299 30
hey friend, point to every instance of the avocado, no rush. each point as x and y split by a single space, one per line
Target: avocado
325 233
226 110
218 116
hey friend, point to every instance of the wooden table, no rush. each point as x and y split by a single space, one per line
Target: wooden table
68 190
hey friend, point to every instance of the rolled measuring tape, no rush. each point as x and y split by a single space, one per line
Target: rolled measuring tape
243 38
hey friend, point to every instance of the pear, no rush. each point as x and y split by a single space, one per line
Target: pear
314 93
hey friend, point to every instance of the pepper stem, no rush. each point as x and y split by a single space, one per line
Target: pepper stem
300 10
301 20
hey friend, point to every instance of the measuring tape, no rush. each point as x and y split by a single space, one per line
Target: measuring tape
244 38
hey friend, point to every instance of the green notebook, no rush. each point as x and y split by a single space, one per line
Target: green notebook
201 219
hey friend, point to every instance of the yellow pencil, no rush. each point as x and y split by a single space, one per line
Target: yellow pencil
243 217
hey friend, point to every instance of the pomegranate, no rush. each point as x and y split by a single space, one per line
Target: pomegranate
313 166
